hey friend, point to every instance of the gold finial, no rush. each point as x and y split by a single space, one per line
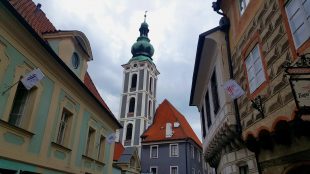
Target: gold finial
145 16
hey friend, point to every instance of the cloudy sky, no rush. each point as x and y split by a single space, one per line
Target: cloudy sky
112 26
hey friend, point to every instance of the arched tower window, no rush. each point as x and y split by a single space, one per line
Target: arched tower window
150 105
134 81
150 87
132 105
128 135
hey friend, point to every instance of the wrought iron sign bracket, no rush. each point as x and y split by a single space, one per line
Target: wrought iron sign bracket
258 105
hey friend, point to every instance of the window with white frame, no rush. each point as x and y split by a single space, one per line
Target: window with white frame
255 69
154 151
174 170
242 5
64 127
174 150
298 14
154 169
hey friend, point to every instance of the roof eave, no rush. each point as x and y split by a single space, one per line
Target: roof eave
197 61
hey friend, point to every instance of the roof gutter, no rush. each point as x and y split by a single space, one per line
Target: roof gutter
55 56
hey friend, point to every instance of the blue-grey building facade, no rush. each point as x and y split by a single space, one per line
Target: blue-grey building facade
186 162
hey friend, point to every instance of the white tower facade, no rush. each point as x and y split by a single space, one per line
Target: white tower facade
138 98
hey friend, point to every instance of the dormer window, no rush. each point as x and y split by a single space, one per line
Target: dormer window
75 60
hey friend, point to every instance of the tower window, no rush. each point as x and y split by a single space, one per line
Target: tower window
128 135
134 81
150 87
150 105
132 105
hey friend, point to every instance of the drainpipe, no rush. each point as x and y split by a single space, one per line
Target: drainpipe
225 24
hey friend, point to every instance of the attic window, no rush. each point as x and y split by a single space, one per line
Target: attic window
75 60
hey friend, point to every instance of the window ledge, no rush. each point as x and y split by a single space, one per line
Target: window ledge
93 160
61 147
16 128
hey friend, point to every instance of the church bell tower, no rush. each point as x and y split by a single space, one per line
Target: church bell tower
138 98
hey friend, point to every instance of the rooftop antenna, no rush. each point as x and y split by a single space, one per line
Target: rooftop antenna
145 16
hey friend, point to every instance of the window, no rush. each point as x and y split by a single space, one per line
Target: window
215 96
174 170
132 105
129 132
193 170
193 151
64 127
243 169
203 123
134 81
154 152
298 14
90 142
242 5
255 71
19 105
151 81
208 110
198 155
150 105
75 60
101 148
153 170
174 150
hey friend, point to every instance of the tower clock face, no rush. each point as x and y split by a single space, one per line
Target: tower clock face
75 60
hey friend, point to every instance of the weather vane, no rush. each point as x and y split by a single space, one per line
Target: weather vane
145 16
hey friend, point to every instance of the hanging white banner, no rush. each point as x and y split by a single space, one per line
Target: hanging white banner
233 89
32 78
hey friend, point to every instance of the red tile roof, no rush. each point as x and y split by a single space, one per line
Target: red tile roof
167 113
33 15
91 86
118 150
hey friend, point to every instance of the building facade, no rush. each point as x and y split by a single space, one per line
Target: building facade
60 125
138 99
222 146
265 37
170 145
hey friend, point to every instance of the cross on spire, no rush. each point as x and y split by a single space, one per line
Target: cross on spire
145 16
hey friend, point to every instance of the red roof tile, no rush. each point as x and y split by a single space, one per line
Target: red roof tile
91 86
34 16
167 113
118 150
